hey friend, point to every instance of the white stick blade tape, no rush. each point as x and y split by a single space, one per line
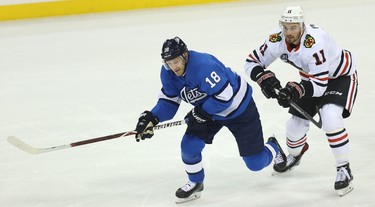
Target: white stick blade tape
22 145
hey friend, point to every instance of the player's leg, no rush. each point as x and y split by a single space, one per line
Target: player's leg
296 134
338 140
191 154
296 141
247 129
337 104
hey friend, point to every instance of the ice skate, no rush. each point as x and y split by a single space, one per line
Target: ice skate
344 180
280 157
283 165
189 192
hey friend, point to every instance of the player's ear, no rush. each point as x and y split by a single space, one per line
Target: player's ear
186 56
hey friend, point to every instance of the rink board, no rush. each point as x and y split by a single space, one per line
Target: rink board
21 9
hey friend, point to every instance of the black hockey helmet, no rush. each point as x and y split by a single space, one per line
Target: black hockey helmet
173 48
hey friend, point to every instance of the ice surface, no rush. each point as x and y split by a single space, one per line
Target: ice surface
66 79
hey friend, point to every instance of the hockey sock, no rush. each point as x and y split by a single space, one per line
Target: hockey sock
339 142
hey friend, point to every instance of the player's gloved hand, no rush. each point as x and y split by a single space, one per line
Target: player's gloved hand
145 126
197 120
268 83
291 92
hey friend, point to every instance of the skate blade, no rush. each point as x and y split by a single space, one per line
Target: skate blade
275 173
346 190
193 196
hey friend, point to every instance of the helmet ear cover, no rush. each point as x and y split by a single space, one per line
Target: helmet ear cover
173 48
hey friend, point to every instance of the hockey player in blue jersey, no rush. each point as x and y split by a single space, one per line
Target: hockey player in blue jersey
220 98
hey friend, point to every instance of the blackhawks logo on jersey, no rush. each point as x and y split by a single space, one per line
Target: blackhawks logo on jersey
309 41
275 37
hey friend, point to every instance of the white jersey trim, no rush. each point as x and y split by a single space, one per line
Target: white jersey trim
175 99
237 99
226 94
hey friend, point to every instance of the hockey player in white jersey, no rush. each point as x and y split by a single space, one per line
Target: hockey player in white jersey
328 83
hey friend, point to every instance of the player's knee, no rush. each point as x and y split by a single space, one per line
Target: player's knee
331 115
258 161
191 146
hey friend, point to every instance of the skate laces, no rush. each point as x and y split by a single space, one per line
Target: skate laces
342 174
279 158
188 186
290 159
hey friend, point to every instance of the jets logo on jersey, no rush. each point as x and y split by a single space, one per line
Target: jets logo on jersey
309 41
191 95
275 37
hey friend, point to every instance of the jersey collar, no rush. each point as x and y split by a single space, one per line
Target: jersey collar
290 48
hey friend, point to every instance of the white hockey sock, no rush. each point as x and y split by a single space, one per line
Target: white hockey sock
295 146
339 142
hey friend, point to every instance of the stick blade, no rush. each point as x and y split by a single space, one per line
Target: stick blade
22 145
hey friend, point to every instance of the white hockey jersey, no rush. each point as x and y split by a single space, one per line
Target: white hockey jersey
317 57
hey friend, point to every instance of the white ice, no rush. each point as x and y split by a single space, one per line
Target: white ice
66 79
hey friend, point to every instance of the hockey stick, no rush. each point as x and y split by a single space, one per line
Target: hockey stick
304 113
34 150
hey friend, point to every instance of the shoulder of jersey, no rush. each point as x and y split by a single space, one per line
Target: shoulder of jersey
313 34
309 41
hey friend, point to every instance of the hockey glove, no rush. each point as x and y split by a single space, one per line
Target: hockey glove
145 126
291 92
197 121
268 83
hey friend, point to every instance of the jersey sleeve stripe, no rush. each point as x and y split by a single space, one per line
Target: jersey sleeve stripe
253 59
225 94
320 74
309 76
345 66
238 98
174 100
350 66
346 63
352 92
256 55
340 64
305 75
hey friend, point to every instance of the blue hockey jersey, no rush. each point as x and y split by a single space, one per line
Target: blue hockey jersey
207 83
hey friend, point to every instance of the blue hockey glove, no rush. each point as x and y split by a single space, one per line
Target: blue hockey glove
145 126
291 92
